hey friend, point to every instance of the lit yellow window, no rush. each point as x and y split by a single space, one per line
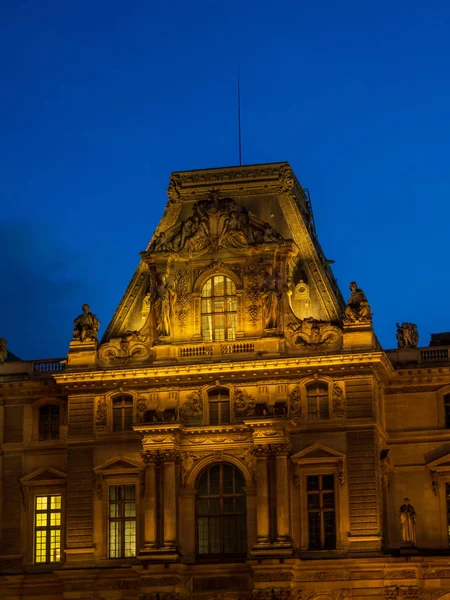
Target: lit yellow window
122 521
219 309
47 544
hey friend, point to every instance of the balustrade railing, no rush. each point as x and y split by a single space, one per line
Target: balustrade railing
53 365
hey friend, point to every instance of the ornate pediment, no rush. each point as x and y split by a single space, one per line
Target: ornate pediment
132 347
312 335
44 475
318 453
118 465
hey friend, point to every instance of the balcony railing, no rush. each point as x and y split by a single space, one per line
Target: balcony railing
434 354
45 367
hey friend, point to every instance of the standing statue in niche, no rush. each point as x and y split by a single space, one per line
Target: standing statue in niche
357 309
86 326
407 516
407 335
163 303
271 300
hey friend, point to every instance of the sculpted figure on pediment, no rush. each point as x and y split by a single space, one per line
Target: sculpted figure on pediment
86 326
357 309
407 335
163 302
271 297
216 223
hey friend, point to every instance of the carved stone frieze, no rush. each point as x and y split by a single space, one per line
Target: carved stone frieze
272 576
312 335
253 292
218 438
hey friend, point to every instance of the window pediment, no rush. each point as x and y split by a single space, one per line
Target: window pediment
441 464
119 465
318 454
44 475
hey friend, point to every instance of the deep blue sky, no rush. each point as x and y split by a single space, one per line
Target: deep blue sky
101 100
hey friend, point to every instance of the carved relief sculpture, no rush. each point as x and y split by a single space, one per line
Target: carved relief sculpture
216 223
338 401
86 326
295 403
131 346
182 297
141 408
358 309
163 301
407 335
3 350
271 300
313 335
188 460
193 407
407 516
101 413
244 403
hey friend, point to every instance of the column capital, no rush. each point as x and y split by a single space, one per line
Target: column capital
283 449
261 451
150 457
169 455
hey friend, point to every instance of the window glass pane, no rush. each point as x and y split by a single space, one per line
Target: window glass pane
314 530
202 535
129 492
202 506
324 409
214 506
55 502
128 418
214 535
239 482
214 413
202 485
218 309
312 482
328 500
214 480
117 419
219 286
225 412
228 472
328 482
314 501
228 505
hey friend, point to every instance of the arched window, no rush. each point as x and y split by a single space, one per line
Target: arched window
122 409
218 309
49 421
219 406
317 397
221 520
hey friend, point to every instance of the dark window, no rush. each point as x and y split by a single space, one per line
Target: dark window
47 529
447 410
447 494
318 401
321 512
122 413
219 309
221 514
49 422
122 521
219 406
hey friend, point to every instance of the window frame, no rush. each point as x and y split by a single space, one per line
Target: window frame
122 395
203 297
319 383
221 557
49 405
118 470
36 408
34 485
220 402
318 459
321 493
122 519
47 529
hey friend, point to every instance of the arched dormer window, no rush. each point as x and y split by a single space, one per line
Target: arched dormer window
49 422
221 518
318 400
122 413
219 406
218 309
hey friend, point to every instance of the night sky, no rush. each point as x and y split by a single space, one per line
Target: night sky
101 100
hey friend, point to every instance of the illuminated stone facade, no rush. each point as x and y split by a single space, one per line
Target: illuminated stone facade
237 433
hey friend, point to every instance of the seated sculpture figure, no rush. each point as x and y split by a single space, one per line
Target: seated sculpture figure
86 326
357 309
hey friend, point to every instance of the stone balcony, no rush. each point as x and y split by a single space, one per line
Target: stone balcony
429 356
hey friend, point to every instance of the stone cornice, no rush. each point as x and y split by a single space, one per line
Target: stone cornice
278 367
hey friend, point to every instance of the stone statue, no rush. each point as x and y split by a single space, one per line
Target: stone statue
3 350
164 298
407 516
358 309
271 300
86 326
407 335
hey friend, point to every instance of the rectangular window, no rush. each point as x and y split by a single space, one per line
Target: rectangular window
47 530
123 413
321 512
447 410
122 521
49 422
447 495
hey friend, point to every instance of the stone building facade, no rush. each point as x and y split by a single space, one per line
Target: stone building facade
237 433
